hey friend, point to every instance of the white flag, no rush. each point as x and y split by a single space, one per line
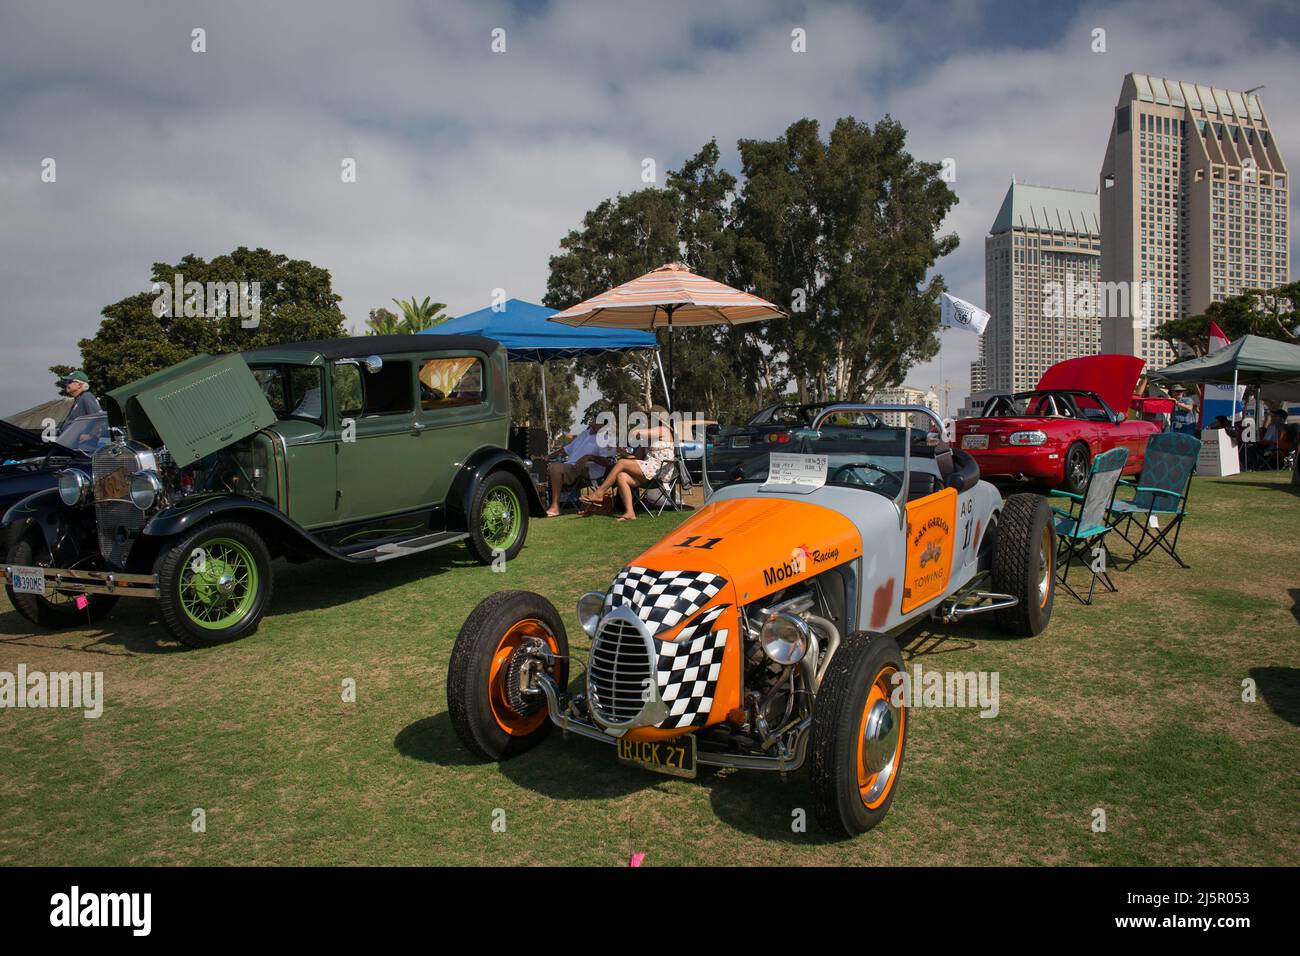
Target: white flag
955 313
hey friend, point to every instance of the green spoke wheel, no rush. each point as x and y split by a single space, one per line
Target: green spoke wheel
498 518
214 584
218 586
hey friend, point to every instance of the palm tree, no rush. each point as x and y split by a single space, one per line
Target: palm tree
383 322
416 317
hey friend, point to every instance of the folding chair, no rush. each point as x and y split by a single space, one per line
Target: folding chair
1082 528
667 487
1160 493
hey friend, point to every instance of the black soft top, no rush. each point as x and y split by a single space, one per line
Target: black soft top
359 346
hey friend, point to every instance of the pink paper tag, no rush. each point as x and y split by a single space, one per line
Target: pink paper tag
82 602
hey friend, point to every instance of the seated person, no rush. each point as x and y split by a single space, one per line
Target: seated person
588 456
1272 444
656 440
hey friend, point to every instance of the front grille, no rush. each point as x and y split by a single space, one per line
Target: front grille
117 519
620 672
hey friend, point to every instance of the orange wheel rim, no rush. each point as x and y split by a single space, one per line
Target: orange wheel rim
509 720
880 740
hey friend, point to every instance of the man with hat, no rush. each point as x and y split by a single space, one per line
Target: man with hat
76 385
1184 414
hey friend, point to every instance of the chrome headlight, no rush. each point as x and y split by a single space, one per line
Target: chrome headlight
785 637
1027 438
145 489
590 606
74 487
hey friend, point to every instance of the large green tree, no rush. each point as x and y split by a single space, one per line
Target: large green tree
844 233
293 301
718 371
1269 313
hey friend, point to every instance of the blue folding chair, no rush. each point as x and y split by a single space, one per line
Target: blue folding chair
1159 496
1082 528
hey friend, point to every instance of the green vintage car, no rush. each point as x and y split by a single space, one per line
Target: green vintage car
357 449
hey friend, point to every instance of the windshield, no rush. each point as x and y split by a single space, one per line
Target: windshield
857 456
293 391
85 434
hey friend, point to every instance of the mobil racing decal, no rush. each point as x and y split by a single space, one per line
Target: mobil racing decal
801 559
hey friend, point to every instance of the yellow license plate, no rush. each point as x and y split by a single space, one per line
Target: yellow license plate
675 756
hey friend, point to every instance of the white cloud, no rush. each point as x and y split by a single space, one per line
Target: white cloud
472 165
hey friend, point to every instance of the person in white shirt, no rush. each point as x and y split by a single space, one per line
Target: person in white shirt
589 455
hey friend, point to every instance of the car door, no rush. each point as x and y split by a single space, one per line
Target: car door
380 470
454 415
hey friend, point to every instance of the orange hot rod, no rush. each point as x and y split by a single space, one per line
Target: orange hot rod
762 632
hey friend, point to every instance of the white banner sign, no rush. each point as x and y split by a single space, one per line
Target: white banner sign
805 471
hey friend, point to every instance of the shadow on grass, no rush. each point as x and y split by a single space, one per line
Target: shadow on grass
1295 603
560 768
1280 688
316 585
132 627
1293 490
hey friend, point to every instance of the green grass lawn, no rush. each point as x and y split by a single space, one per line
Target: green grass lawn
1133 705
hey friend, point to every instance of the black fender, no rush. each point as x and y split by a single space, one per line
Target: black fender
69 532
482 463
280 532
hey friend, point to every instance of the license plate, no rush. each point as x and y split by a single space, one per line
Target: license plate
975 441
675 756
27 580
740 441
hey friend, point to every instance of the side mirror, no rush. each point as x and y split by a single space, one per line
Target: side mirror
373 363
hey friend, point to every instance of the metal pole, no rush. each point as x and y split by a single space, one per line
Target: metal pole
546 411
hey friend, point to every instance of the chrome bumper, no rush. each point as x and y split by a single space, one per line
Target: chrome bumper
572 723
66 581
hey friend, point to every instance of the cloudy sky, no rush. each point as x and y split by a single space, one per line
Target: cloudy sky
472 164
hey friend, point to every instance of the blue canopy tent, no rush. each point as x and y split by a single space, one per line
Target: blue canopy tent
521 327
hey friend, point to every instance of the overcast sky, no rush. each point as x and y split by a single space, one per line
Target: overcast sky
471 165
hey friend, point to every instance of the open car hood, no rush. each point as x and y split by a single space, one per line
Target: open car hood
16 442
195 408
1113 377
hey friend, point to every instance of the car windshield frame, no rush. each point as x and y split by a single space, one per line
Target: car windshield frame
804 441
1059 396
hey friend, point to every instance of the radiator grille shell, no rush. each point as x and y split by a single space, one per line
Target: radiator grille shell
621 684
117 520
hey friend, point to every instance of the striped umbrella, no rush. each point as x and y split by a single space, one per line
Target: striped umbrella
670 295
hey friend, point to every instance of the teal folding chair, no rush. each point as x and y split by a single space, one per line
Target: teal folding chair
1082 528
1159 496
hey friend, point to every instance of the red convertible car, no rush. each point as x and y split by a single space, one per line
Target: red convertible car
1052 433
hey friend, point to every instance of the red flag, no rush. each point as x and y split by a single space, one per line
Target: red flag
1217 339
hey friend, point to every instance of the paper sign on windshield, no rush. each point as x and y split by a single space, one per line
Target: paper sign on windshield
803 471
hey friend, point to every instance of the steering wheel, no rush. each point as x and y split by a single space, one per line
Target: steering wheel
847 474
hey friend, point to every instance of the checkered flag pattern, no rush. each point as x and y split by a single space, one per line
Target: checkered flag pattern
662 599
688 671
